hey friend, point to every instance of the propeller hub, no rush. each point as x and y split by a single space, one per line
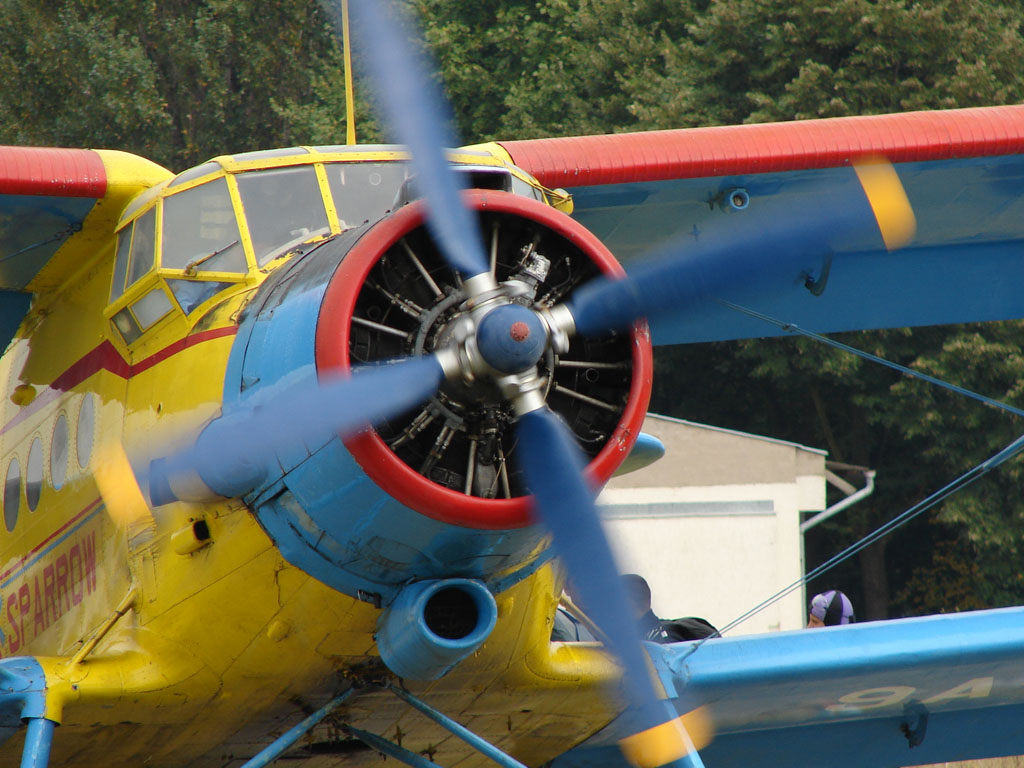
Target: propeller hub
511 338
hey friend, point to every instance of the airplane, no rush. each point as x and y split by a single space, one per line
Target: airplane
210 558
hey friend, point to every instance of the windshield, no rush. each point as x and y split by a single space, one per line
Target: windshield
200 231
365 191
283 208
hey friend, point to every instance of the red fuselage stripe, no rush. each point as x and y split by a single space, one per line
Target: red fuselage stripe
106 357
770 147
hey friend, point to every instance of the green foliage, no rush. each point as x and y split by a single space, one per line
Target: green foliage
946 584
478 52
765 60
595 61
178 81
529 68
958 434
77 80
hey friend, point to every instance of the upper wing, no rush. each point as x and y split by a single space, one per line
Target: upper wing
58 209
901 692
964 175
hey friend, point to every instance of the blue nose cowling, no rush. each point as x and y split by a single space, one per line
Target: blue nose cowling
511 338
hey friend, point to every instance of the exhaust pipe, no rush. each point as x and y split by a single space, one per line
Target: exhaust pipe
433 625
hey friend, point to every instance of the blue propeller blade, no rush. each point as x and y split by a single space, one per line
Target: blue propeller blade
415 111
549 456
232 453
773 243
677 279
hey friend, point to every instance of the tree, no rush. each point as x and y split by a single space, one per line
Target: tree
529 68
764 60
478 50
178 81
959 434
76 79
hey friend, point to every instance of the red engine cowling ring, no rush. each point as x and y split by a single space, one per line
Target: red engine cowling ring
379 462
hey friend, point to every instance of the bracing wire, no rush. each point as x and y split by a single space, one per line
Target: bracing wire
942 494
1007 453
795 329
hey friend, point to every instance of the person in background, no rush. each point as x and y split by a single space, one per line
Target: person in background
639 593
569 628
830 609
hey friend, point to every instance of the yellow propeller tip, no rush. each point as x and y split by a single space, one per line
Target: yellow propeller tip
888 201
669 741
117 485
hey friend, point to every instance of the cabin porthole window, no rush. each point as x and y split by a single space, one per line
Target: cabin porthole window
59 452
12 494
34 475
86 426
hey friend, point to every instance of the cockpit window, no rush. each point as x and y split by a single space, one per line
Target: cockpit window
143 246
191 293
283 208
520 187
194 173
473 177
200 232
365 191
124 249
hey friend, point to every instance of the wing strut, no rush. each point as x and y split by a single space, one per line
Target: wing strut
38 739
23 699
389 748
479 744
270 753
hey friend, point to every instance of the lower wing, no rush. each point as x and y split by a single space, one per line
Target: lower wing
901 692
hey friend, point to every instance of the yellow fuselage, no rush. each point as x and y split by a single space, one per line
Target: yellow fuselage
164 648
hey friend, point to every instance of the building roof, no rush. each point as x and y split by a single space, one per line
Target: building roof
702 455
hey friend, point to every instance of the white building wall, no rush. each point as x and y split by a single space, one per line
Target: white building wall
717 550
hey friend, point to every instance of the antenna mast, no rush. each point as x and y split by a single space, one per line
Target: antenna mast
350 97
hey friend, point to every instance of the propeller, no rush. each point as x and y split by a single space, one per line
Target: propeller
225 459
115 479
554 465
416 113
503 340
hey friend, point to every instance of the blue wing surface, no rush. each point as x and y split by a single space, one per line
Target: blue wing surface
45 196
58 208
890 693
